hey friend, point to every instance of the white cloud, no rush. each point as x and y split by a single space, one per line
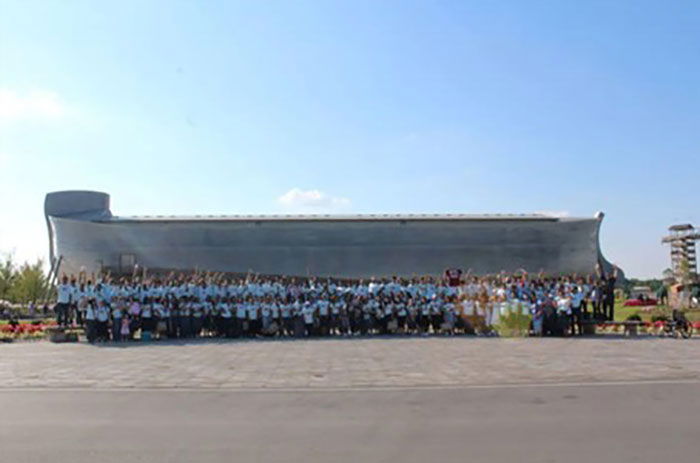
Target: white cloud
553 213
25 241
296 198
37 104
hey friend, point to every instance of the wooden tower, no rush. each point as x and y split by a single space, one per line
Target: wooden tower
682 239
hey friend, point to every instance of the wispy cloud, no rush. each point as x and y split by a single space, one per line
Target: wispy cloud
296 198
36 104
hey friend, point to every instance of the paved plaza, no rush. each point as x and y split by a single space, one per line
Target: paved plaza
347 363
371 400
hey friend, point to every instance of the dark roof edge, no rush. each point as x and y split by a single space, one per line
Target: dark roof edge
343 218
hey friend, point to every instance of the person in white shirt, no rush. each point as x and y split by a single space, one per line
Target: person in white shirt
412 314
275 325
286 317
367 307
298 327
102 316
241 315
436 315
577 297
322 305
373 287
266 313
449 315
62 306
424 316
147 324
335 304
81 296
90 321
74 298
164 317
253 308
385 313
308 312
117 321
563 302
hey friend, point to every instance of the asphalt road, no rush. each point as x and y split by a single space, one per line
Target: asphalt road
628 422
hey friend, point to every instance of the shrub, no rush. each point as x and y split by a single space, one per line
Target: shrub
660 314
514 323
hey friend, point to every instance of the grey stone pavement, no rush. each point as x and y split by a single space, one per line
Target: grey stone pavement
346 363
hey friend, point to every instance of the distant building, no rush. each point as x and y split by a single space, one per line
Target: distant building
84 234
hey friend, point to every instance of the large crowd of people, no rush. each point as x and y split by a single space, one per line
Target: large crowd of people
210 305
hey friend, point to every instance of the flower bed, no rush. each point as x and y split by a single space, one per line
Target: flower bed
640 302
25 330
653 328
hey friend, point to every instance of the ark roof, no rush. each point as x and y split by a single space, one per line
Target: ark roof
339 217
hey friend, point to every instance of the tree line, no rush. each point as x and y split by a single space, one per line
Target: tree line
24 283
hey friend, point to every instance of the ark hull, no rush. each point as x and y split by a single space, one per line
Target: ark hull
88 237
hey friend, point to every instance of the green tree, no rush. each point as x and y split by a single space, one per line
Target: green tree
668 274
8 277
31 283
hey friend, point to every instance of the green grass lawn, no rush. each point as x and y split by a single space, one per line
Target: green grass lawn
622 312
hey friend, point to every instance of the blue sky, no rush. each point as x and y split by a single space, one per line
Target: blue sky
357 106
